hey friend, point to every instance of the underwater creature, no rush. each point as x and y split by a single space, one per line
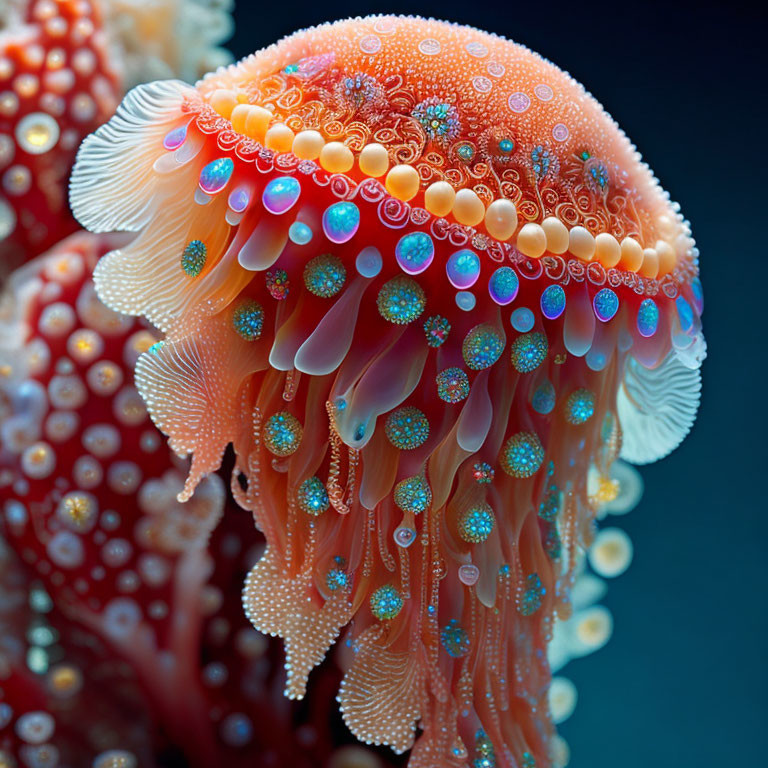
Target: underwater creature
87 505
427 290
64 66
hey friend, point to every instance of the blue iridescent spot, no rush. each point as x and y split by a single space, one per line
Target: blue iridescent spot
522 455
522 319
175 138
406 428
299 233
238 199
466 152
543 398
414 252
531 599
552 302
685 313
504 285
605 304
455 640
580 406
647 317
312 496
506 146
463 268
439 120
341 221
540 160
281 194
216 175
386 603
401 300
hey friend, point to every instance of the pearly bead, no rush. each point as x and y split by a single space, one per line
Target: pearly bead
501 219
667 257
607 250
374 160
650 266
468 208
224 101
557 234
279 137
439 198
631 254
257 122
336 157
308 145
403 182
532 241
239 116
581 244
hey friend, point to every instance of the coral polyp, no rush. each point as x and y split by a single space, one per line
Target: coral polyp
465 298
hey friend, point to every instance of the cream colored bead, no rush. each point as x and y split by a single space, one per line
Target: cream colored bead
224 101
650 266
308 144
468 208
239 116
279 137
557 234
607 250
439 198
667 257
374 160
631 254
336 157
581 244
501 219
257 122
532 241
403 182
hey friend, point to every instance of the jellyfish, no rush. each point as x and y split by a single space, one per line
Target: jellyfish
426 289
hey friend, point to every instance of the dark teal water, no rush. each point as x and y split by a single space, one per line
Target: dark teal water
684 681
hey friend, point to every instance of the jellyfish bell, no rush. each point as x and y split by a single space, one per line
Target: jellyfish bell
424 310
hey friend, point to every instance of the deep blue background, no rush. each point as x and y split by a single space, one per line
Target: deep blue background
684 682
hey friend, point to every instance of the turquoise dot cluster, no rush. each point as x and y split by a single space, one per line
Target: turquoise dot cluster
529 351
248 320
452 385
282 433
530 602
476 523
386 603
313 497
580 406
193 257
455 639
407 428
413 494
324 275
522 455
482 347
401 300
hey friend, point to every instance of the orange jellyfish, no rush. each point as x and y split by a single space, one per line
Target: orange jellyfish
427 290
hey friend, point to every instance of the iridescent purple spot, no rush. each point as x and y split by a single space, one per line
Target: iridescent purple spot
238 199
504 285
553 302
606 304
215 176
560 132
175 138
519 102
463 268
414 252
685 313
341 221
647 317
281 194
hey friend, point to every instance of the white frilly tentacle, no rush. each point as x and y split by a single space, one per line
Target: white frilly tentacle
657 407
112 183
